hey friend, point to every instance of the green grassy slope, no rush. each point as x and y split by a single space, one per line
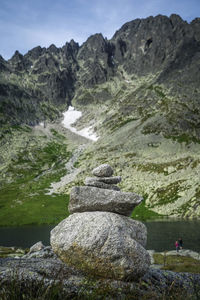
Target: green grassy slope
32 161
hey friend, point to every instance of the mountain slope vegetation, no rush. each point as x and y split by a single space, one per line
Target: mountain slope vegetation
140 92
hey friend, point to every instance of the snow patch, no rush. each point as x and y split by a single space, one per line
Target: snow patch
70 117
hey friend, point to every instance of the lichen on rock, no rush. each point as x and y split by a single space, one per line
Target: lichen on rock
102 243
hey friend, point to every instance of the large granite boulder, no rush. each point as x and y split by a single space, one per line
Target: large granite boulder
86 198
103 244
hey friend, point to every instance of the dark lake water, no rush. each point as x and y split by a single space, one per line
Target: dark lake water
25 236
161 235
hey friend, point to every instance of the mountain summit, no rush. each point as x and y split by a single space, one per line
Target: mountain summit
167 48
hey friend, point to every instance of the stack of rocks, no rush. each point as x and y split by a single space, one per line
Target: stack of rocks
103 178
99 237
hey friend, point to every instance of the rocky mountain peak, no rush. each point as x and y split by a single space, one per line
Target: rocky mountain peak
176 19
3 64
155 45
70 50
52 49
148 45
196 27
17 57
34 53
95 54
17 61
95 45
95 39
74 45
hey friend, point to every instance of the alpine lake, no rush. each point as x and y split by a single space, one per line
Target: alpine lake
162 234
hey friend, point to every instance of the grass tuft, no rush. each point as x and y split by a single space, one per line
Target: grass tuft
177 263
141 212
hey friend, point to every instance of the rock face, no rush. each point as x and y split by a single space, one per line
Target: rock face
99 238
87 198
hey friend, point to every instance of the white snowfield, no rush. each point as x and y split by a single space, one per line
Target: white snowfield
70 117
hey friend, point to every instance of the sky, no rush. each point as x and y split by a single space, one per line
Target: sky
25 24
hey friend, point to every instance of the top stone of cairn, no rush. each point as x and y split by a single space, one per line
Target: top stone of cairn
104 170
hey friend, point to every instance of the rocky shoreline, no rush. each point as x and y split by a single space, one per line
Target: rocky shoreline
42 269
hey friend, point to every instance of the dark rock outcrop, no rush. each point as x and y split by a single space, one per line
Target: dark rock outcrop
40 277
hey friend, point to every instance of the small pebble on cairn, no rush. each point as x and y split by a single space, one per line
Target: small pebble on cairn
103 178
104 170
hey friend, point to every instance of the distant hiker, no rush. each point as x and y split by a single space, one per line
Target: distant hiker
180 242
177 246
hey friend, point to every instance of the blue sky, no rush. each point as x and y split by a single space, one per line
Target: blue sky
25 24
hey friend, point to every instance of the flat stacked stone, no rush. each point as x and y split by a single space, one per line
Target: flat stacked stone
103 178
91 181
85 198
99 237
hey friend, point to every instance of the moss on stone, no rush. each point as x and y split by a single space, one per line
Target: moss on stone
90 264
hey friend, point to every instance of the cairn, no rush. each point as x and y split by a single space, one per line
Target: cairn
99 237
103 178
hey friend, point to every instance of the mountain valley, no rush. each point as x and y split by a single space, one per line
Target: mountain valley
139 91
